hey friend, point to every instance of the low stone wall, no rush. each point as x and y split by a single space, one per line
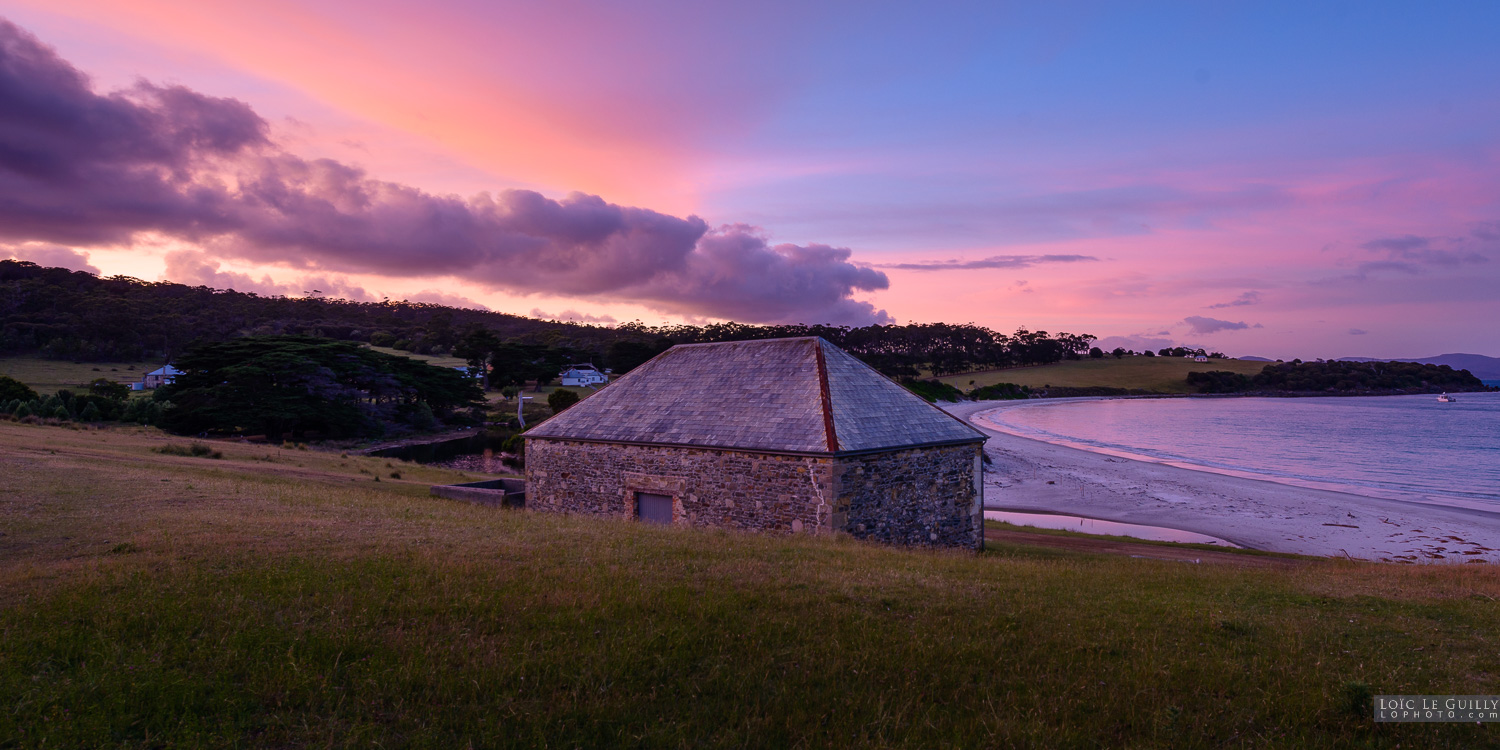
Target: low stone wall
508 493
732 489
918 496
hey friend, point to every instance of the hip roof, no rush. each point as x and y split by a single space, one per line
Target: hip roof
798 395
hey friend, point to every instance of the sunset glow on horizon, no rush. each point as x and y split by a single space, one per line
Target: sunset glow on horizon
1256 178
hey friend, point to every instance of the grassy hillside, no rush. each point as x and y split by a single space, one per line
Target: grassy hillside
435 361
1160 374
285 598
50 375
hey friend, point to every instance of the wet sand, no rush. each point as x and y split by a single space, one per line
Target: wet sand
1031 475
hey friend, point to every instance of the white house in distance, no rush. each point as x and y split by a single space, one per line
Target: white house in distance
583 375
160 376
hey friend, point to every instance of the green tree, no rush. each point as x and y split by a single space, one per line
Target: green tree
10 389
109 389
294 384
476 348
561 399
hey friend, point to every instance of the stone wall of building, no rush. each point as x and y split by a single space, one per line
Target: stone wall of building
732 489
918 496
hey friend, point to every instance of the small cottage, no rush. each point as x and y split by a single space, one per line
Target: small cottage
160 377
582 376
789 435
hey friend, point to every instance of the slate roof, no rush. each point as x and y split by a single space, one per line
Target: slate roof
800 395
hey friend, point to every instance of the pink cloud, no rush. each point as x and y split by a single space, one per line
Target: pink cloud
104 168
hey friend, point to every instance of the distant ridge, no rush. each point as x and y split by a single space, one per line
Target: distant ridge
1255 359
1478 365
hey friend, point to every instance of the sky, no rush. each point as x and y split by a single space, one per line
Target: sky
1273 179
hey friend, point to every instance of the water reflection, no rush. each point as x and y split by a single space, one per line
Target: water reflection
1106 528
474 453
488 462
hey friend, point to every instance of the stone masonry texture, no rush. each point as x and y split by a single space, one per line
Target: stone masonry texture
917 496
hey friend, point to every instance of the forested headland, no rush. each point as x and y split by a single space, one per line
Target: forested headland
1340 378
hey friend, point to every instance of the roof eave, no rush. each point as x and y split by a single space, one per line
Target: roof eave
768 451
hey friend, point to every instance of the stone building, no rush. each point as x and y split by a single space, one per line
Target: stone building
776 435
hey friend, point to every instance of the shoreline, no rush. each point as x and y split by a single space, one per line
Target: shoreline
1027 474
1343 488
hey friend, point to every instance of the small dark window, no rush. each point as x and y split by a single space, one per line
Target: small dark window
653 508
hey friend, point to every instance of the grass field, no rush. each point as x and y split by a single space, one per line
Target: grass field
428 358
50 375
286 599
1160 374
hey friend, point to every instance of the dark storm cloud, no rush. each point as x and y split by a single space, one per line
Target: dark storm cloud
994 261
82 168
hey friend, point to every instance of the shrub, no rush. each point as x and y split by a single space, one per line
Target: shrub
1000 392
932 390
194 450
381 338
421 417
91 413
561 399
23 411
61 412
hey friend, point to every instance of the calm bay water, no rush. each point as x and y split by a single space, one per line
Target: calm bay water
1409 447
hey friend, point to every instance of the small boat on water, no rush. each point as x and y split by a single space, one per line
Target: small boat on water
1445 398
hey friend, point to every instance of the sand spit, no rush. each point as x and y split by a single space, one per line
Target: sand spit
1028 474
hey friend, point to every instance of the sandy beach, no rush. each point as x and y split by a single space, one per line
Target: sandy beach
1030 475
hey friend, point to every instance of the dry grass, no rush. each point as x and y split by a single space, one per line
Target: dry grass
285 598
1159 374
50 375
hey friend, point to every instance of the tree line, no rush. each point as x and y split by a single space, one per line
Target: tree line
73 315
1334 376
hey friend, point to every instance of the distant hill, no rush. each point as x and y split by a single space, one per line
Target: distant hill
1255 359
1480 366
